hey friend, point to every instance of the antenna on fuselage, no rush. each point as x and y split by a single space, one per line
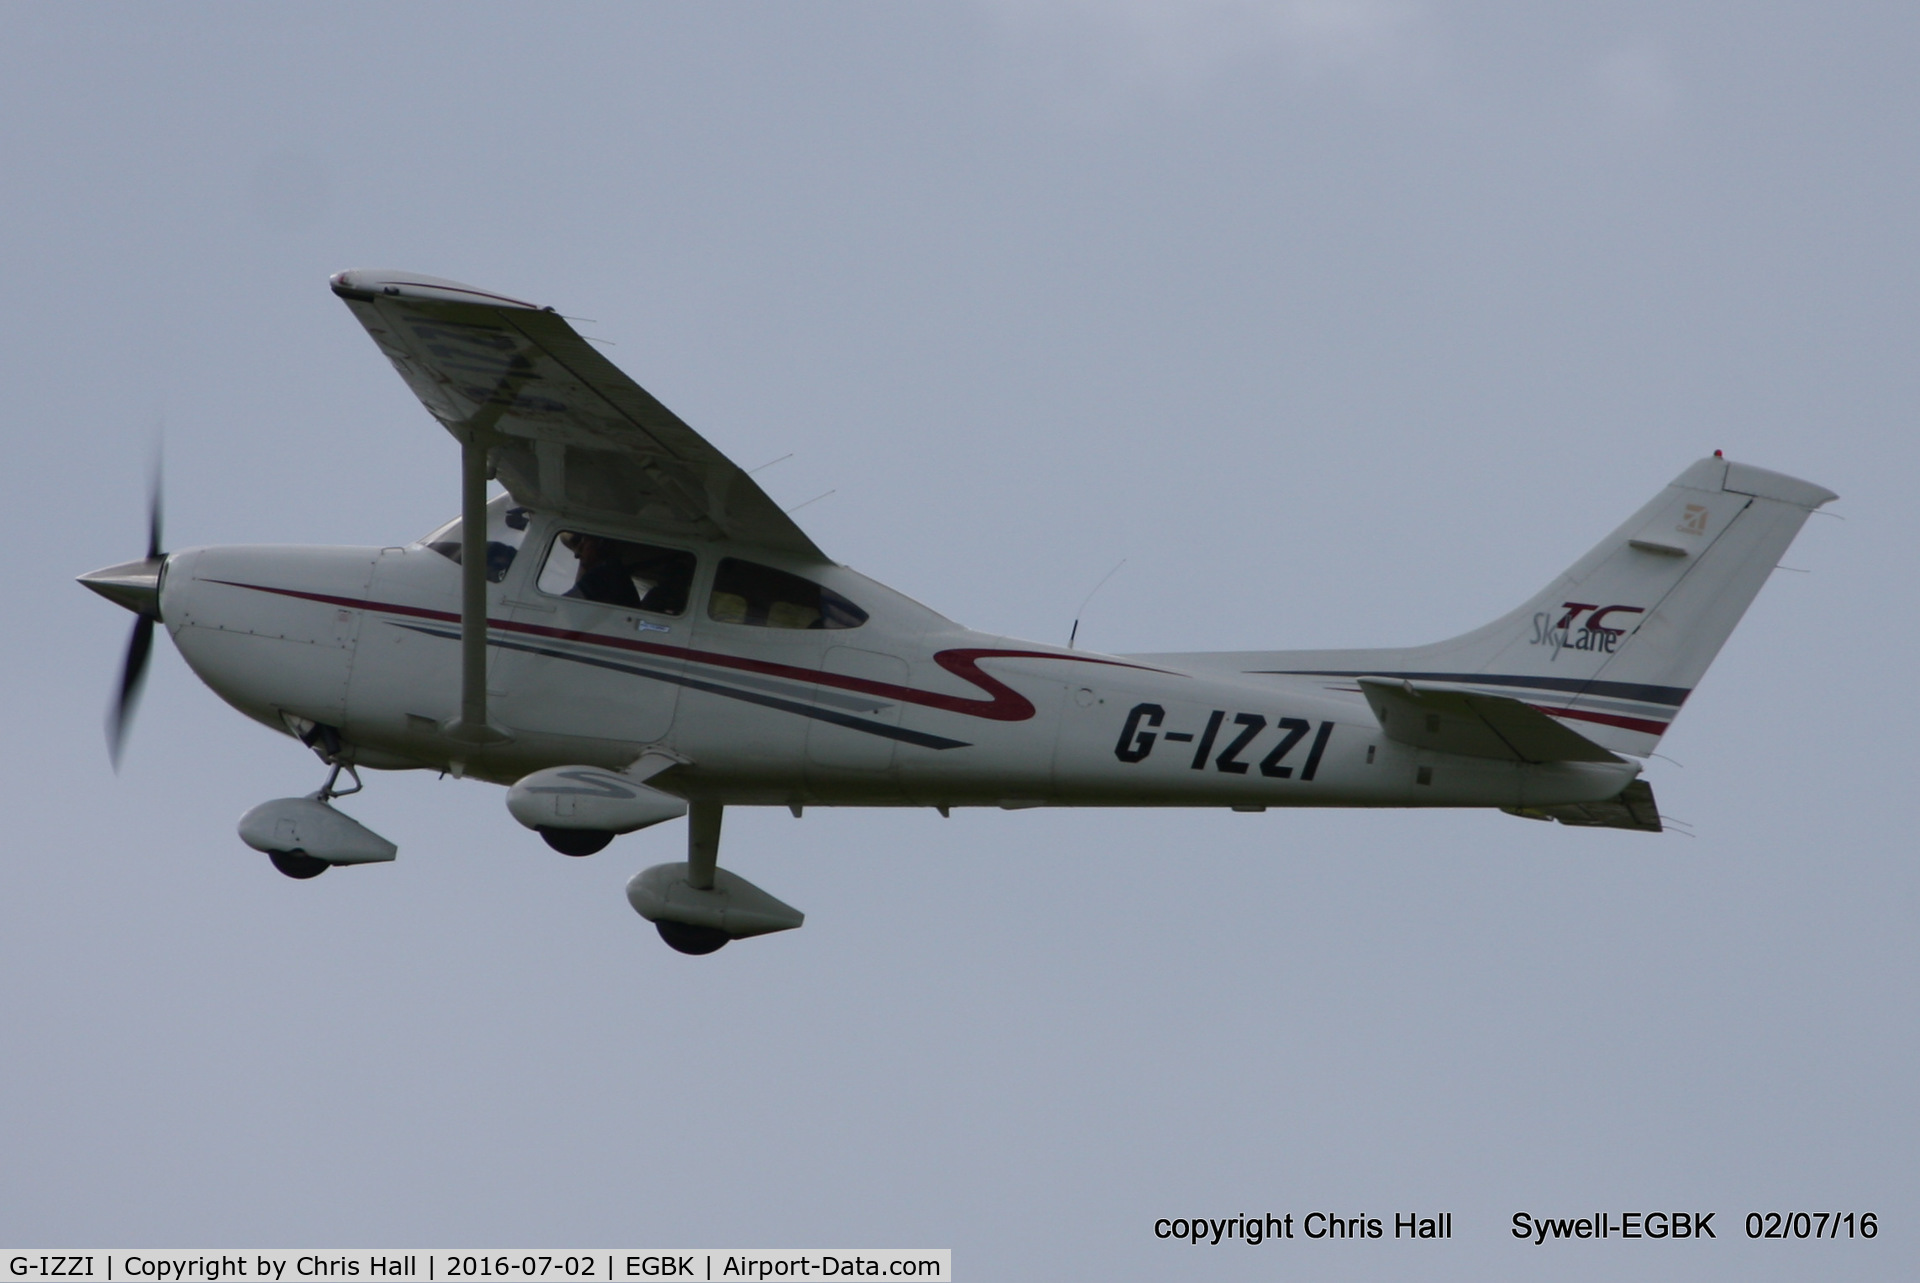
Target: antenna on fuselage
1075 632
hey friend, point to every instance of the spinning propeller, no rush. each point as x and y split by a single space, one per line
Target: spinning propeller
135 585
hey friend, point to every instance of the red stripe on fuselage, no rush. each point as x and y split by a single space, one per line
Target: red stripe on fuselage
1006 704
1606 719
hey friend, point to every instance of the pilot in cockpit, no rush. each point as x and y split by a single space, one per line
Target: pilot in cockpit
603 575
614 572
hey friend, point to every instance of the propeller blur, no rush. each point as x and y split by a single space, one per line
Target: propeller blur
135 585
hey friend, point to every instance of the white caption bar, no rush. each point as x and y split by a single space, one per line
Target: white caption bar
601 1265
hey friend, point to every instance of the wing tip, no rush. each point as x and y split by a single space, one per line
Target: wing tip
366 284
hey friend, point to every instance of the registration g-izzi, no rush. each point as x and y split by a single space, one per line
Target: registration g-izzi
634 632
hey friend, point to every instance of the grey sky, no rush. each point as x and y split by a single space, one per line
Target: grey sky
1344 323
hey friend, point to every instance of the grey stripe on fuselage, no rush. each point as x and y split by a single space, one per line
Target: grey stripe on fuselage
818 714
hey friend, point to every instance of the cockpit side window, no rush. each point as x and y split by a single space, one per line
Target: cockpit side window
506 528
746 593
615 572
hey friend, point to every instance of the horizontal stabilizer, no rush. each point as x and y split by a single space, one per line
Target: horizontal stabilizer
1633 809
1451 718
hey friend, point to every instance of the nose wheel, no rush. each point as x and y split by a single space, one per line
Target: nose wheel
302 836
297 864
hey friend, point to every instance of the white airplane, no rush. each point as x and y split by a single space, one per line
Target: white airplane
634 632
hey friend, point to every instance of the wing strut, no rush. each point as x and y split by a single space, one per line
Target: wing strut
472 725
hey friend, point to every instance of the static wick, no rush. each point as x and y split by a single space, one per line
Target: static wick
769 463
816 499
584 320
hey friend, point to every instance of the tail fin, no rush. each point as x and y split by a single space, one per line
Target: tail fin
1616 644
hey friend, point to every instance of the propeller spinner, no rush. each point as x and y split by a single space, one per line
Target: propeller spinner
135 585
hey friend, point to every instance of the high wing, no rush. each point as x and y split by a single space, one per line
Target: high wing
565 431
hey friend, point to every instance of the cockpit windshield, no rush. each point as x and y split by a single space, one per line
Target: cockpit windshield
506 527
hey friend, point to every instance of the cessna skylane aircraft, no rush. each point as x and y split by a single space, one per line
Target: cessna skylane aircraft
634 632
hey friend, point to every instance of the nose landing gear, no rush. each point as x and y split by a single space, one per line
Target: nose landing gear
304 836
298 864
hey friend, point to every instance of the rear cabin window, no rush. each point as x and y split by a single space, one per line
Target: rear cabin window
746 593
615 572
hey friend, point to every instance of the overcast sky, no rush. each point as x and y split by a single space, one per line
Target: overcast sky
1343 322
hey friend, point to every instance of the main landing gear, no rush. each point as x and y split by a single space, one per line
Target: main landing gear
577 810
576 841
688 938
697 907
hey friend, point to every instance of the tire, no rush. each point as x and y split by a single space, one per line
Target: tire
297 864
577 841
691 939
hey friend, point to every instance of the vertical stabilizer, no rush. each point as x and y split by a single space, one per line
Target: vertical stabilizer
1616 644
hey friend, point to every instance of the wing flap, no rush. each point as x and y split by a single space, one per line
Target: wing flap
1451 718
570 433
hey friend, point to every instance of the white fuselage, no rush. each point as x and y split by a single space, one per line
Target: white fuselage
906 709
